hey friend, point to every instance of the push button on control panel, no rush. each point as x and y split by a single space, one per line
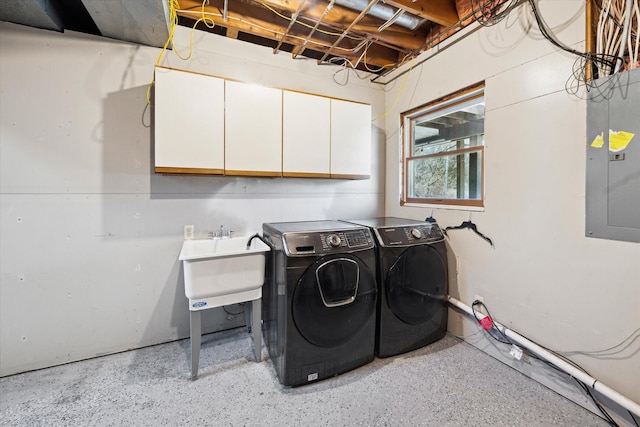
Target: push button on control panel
435 233
356 239
340 240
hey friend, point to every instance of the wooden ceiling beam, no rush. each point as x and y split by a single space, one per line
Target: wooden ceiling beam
341 18
236 20
443 12
243 17
375 51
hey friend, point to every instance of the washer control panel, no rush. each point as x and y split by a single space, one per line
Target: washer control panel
326 242
409 234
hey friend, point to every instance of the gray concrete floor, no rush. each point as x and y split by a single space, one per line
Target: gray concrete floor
448 383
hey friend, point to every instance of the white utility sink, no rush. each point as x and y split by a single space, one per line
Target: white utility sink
218 270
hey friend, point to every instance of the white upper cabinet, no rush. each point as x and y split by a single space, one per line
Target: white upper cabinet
306 135
208 125
350 140
253 130
189 122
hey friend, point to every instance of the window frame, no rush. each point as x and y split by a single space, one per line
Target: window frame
462 96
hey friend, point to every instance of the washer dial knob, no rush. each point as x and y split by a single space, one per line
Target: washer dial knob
417 234
334 240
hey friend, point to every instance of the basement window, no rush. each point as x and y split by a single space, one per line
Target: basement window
443 151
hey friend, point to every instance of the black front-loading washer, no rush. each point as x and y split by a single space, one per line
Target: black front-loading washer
319 299
413 283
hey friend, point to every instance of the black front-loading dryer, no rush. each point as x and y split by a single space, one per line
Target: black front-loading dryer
319 299
413 283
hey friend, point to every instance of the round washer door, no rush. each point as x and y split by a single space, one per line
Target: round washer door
416 284
334 298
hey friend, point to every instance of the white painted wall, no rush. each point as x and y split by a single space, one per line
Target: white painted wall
544 278
89 234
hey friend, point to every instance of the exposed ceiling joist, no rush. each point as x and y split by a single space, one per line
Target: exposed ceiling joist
442 12
340 18
265 23
355 21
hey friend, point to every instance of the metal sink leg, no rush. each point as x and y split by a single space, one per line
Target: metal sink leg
256 329
196 338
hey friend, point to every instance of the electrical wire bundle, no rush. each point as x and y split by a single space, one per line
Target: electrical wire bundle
617 33
616 23
490 12
584 61
487 322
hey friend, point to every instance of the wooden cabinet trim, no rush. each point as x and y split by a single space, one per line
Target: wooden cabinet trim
188 171
305 175
349 176
252 173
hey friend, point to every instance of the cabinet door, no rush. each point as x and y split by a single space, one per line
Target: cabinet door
306 135
350 140
253 130
189 122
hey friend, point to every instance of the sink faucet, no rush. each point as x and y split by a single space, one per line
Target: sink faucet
221 233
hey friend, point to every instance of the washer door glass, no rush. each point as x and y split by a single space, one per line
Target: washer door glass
334 299
416 285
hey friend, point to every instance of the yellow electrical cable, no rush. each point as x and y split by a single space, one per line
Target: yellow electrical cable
364 61
404 82
334 34
302 23
174 6
193 28
204 17
273 31
382 67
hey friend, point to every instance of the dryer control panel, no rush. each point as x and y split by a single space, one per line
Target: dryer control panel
327 242
408 235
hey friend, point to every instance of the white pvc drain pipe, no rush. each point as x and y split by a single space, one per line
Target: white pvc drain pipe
576 373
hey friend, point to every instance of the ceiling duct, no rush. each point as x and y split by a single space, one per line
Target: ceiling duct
384 12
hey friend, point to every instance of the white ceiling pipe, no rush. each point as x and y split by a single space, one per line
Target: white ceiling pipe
576 373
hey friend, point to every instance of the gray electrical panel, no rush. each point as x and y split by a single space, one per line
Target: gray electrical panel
613 158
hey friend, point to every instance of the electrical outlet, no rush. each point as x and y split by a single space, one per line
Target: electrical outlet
188 232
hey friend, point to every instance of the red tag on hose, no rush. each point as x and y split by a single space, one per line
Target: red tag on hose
486 323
